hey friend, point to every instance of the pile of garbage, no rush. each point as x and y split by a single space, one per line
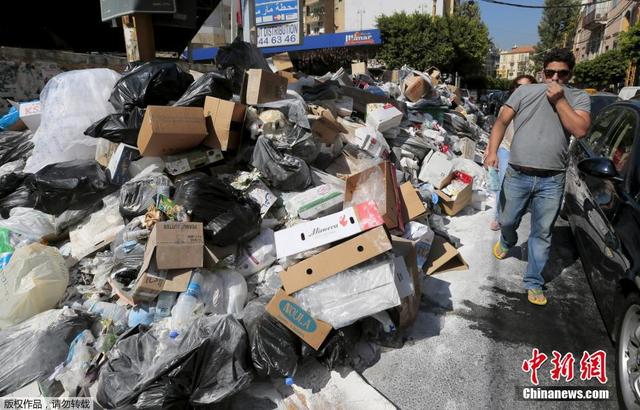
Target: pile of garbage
169 237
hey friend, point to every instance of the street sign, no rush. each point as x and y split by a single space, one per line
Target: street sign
110 9
278 22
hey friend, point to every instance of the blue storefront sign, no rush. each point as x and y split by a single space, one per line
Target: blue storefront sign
276 11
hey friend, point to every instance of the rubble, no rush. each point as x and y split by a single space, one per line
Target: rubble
186 226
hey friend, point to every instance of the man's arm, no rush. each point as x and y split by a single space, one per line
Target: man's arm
505 116
577 122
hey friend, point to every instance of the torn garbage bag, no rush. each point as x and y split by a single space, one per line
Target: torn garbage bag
240 56
151 83
15 146
139 193
149 369
227 217
283 171
209 85
121 127
31 350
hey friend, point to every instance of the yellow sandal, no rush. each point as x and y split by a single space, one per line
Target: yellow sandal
499 252
536 296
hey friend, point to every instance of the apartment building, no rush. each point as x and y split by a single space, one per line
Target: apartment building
515 62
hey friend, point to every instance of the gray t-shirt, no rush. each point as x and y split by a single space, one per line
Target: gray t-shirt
540 141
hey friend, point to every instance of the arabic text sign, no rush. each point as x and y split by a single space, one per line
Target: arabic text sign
279 35
276 11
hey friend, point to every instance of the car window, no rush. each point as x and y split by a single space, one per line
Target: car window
620 143
596 140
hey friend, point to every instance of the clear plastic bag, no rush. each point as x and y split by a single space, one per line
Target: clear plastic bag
370 188
257 254
223 292
71 102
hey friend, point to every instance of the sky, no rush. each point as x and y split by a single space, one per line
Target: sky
512 25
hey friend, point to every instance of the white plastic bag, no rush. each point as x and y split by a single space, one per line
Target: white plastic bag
71 102
33 281
30 223
224 292
256 255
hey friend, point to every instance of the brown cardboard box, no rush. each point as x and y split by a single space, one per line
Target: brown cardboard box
282 62
261 87
443 257
358 68
392 76
468 148
452 206
291 77
326 128
392 214
415 87
408 309
184 162
412 206
169 130
288 312
225 122
335 260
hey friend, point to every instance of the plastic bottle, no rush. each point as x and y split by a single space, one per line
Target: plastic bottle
182 312
6 250
118 314
165 302
494 180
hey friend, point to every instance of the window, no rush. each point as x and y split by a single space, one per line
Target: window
599 130
620 143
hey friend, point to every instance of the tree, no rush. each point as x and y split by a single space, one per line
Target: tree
457 43
629 43
606 69
557 27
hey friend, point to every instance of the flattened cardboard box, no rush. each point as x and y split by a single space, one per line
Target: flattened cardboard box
436 169
412 206
453 206
288 311
330 228
225 122
169 130
410 305
443 257
261 87
335 260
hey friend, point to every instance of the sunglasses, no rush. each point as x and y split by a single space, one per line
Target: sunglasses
561 73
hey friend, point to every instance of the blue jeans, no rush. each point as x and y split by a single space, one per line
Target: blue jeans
543 196
503 164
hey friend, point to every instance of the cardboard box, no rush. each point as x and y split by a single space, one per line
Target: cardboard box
30 114
412 206
317 201
421 236
330 228
188 161
383 117
120 162
358 68
372 141
173 250
326 127
444 257
415 87
282 62
261 87
225 123
408 310
169 130
391 76
335 260
289 312
392 214
262 195
468 148
451 206
436 169
361 98
104 151
291 77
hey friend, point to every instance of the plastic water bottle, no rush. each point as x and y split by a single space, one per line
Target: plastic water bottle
118 314
165 302
182 312
494 180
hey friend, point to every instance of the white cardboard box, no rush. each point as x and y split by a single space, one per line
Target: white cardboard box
30 114
372 141
331 228
383 117
435 169
120 162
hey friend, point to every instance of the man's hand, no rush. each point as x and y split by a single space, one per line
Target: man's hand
491 160
555 92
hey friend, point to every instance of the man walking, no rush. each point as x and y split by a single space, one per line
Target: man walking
545 116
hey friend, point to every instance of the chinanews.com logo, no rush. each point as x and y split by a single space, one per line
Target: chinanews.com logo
359 37
592 366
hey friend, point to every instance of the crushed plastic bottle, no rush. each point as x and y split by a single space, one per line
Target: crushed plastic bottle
182 312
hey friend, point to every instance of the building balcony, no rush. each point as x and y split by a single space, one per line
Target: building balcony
594 20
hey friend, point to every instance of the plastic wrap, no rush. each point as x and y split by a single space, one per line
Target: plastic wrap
71 102
121 127
151 83
228 217
31 350
257 254
208 85
275 350
283 171
267 281
239 57
352 294
370 188
139 193
15 146
152 370
223 292
33 281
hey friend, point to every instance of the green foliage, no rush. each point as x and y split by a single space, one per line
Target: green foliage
557 27
457 43
480 82
499 83
606 69
629 43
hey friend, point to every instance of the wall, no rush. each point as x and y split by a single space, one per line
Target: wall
374 8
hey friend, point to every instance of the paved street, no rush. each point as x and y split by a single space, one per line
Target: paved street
476 327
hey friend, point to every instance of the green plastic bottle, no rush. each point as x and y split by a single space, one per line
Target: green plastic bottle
6 250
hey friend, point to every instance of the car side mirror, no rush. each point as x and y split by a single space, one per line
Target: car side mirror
600 167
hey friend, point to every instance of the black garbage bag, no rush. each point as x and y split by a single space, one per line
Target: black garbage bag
338 347
21 197
10 182
31 350
122 127
151 83
283 171
15 145
137 195
74 184
240 56
207 365
275 350
303 144
228 217
211 84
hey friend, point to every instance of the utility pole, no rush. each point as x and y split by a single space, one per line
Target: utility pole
360 12
138 37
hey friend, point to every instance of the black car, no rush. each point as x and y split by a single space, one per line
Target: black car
600 100
602 203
